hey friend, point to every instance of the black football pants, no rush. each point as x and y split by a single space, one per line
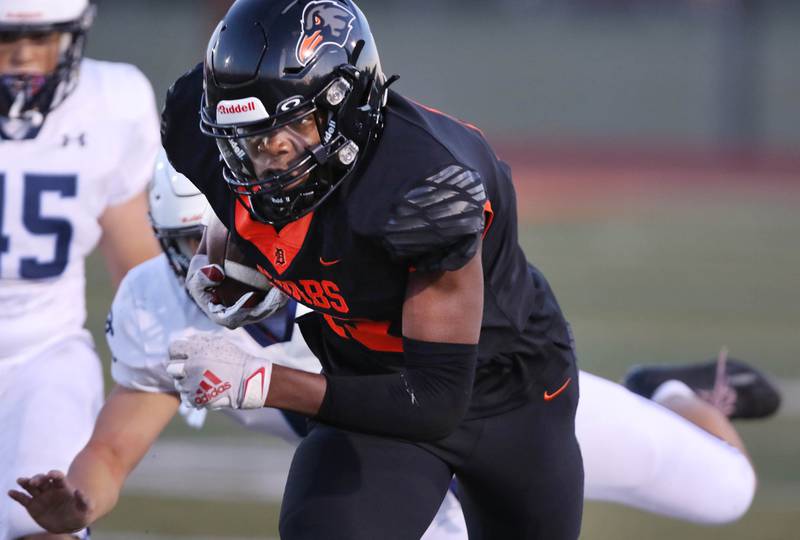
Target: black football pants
520 476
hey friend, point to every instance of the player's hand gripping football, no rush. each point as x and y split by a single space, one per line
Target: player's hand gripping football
212 372
53 503
204 277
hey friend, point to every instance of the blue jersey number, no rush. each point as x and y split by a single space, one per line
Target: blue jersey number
36 185
3 238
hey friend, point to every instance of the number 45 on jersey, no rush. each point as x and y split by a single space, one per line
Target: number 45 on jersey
34 245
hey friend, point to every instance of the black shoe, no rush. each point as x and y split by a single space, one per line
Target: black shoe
735 388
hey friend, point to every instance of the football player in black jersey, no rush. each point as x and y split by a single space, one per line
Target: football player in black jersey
444 350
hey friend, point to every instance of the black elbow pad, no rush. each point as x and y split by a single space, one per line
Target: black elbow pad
191 153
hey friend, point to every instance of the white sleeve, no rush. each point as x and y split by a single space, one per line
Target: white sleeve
133 365
139 131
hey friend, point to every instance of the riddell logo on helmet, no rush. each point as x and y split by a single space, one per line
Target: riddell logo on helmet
24 15
240 110
192 218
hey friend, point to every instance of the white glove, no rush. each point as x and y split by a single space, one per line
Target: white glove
212 372
203 276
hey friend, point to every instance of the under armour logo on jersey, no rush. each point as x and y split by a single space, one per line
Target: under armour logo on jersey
79 139
280 257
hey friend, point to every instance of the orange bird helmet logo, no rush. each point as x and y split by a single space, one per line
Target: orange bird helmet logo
324 23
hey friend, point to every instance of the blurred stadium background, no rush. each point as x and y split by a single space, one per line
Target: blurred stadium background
656 151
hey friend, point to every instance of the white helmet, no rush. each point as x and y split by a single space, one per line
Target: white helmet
26 99
38 13
177 211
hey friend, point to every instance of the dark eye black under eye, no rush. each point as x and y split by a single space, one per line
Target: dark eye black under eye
36 37
39 37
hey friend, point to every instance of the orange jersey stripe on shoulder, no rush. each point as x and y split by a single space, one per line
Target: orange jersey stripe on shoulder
489 214
437 111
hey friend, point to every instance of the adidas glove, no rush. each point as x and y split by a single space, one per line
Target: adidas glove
212 372
202 277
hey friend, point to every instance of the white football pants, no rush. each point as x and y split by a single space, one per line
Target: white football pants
48 405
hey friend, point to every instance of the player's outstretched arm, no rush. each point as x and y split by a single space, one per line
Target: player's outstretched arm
127 426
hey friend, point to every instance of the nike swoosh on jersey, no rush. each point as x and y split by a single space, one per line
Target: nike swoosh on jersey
548 397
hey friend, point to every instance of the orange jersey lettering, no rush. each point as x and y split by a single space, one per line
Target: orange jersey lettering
314 291
337 300
322 295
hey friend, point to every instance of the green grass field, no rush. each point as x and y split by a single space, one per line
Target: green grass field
662 279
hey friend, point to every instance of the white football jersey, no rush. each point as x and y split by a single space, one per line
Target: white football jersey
96 150
152 309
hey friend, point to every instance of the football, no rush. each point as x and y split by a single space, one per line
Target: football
241 274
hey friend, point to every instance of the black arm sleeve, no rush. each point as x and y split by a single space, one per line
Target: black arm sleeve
424 402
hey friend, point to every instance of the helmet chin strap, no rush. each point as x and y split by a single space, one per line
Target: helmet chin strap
33 117
19 123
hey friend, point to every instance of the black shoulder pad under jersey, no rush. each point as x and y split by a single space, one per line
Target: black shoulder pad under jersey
438 224
191 153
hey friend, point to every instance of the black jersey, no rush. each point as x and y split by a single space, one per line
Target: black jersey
349 260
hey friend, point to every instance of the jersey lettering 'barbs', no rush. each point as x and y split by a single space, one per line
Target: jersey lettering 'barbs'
322 294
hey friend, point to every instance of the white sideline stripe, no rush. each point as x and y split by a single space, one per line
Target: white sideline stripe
119 535
213 469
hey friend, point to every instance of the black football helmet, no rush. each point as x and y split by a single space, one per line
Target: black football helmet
25 100
284 66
